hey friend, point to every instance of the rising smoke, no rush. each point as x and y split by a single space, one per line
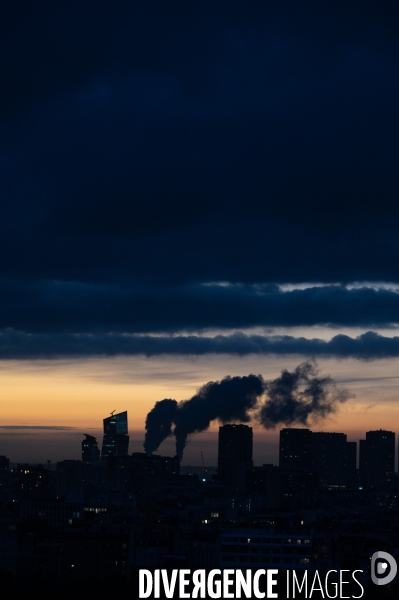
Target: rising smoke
158 424
291 399
228 400
296 396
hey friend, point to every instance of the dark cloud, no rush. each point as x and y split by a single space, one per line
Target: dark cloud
201 142
147 149
72 307
18 345
50 427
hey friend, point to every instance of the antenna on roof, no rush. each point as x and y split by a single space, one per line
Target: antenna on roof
112 413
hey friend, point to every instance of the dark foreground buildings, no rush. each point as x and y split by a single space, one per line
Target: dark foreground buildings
331 456
235 455
328 455
295 449
103 520
377 460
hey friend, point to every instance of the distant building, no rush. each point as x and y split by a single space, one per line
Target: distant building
235 455
298 489
71 475
352 472
329 455
116 438
298 478
377 460
362 461
140 473
330 458
155 465
296 449
4 471
90 450
266 481
30 481
140 465
4 465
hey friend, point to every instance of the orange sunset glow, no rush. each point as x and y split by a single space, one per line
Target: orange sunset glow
79 394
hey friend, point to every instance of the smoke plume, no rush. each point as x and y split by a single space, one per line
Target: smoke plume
226 400
291 399
158 424
294 397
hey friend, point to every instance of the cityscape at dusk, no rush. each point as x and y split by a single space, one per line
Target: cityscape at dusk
88 390
199 241
179 207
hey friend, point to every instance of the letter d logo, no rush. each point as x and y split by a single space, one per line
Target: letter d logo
383 563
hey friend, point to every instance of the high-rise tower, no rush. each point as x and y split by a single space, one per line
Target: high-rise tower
90 451
235 455
296 449
377 460
330 458
116 439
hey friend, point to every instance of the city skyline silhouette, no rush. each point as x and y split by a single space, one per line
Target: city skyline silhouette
199 228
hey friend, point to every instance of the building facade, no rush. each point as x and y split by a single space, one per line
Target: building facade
116 438
377 460
296 449
235 455
330 458
90 450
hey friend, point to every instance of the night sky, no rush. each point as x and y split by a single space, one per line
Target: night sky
191 190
